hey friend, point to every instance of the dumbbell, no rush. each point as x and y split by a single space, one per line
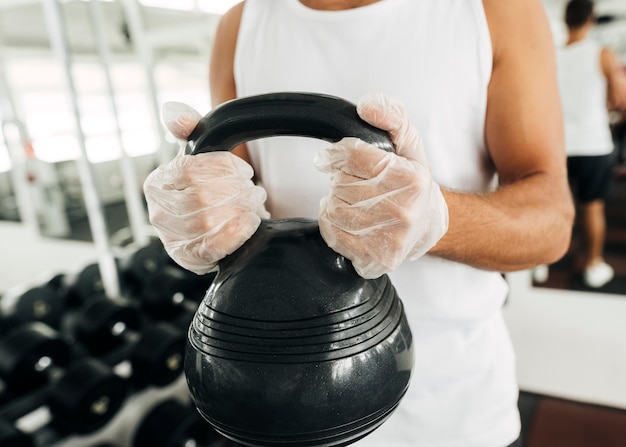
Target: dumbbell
82 393
138 266
142 268
155 349
11 436
79 286
172 292
52 301
39 302
173 424
8 322
133 269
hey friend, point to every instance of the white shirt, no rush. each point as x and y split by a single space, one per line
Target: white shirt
583 92
435 56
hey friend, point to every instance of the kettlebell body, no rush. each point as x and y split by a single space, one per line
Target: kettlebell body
290 346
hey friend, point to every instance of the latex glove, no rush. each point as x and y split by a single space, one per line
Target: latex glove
203 207
383 207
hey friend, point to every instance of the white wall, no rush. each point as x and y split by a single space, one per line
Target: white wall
27 258
108 176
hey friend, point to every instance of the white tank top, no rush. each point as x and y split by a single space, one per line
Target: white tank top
434 55
583 96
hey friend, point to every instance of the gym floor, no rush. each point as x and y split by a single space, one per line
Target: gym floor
550 422
546 421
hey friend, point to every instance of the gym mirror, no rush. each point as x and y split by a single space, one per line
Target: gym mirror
609 31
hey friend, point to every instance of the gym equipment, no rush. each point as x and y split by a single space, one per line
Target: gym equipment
8 322
134 268
151 264
290 346
37 303
173 424
80 286
10 436
83 394
172 292
138 267
155 349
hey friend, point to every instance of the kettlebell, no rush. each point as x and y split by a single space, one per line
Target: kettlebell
290 346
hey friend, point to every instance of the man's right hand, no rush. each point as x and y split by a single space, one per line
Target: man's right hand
203 207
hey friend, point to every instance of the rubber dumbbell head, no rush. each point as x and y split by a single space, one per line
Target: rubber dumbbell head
103 324
139 266
26 351
157 349
173 424
86 397
10 436
82 285
36 303
169 293
82 394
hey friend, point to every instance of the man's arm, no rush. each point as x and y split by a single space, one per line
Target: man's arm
221 66
615 82
527 221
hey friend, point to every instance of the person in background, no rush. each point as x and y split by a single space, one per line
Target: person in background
591 84
477 185
618 128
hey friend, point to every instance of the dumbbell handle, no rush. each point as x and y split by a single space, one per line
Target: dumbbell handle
40 398
313 115
121 330
45 365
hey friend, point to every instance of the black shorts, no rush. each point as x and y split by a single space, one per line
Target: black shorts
590 177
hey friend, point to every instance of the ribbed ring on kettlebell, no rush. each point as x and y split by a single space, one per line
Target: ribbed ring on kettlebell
342 318
335 436
346 334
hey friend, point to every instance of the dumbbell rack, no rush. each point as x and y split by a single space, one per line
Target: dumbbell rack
119 430
22 406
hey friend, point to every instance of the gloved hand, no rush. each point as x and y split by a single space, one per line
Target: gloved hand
383 207
203 207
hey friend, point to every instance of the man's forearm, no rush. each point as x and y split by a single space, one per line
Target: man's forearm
516 227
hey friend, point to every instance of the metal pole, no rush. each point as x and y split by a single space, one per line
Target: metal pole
97 222
28 213
132 11
134 203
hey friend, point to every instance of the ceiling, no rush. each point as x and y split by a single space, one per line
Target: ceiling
23 28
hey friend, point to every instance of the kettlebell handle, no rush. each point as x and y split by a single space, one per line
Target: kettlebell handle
312 115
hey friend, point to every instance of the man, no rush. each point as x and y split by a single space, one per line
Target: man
589 80
478 180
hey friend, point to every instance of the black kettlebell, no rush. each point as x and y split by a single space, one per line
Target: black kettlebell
290 346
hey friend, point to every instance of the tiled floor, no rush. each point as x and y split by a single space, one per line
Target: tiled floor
550 422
